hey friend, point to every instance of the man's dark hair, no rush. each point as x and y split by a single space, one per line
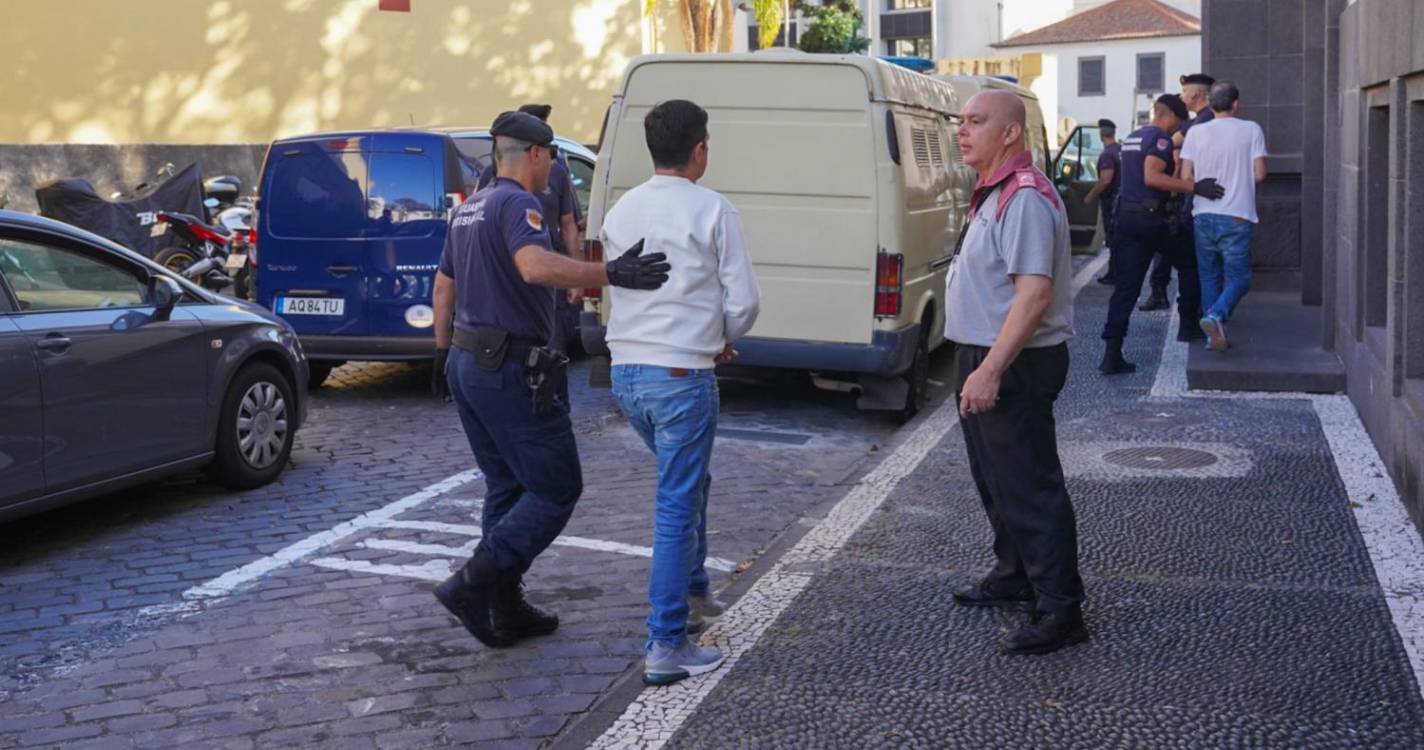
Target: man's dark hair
673 129
1223 95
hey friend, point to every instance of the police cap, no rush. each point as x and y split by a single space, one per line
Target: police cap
524 126
541 111
1201 78
1106 123
1174 103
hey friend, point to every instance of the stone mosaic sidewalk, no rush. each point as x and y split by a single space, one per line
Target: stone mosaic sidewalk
1251 582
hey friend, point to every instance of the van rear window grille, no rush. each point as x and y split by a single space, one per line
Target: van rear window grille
919 141
936 151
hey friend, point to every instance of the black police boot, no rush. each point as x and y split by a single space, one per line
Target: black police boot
470 594
1107 280
983 594
1113 363
512 615
1188 331
1158 301
1046 633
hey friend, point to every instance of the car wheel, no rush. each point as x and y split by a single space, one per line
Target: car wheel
255 429
318 372
176 259
919 377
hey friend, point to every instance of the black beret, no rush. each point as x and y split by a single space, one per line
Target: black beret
541 111
1174 103
1106 123
524 126
1201 78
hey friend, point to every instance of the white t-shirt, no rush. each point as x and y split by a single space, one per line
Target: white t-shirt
1226 149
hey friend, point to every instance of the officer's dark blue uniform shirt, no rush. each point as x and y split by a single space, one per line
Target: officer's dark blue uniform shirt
557 199
1111 158
1144 142
485 233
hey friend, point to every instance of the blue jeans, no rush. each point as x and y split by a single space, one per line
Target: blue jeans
1224 262
676 416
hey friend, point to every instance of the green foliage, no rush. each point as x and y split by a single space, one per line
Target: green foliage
833 28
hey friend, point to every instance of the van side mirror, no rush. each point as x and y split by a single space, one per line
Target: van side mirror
165 293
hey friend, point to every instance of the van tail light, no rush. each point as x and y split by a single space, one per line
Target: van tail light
889 283
252 247
593 253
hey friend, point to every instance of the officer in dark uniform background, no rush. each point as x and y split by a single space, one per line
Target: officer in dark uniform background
1109 179
1148 180
496 285
561 207
1195 88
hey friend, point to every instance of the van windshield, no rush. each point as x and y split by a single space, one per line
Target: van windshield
317 195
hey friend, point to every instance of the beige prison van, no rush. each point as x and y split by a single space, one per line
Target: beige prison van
847 173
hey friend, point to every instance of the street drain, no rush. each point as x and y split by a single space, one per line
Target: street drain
1161 458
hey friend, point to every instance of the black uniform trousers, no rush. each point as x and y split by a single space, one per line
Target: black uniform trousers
1137 237
1161 274
1013 456
531 465
1108 205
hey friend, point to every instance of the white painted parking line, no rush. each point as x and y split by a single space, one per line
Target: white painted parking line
416 548
600 545
653 719
434 571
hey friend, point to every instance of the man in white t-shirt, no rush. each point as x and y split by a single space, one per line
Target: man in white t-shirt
1233 152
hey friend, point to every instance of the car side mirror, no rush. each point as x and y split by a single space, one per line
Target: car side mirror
166 293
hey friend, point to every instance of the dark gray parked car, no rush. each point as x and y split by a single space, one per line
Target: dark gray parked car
114 372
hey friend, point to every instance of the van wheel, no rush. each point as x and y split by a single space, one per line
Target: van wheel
919 377
319 370
255 430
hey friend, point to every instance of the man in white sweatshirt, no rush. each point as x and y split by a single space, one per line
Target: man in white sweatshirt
665 344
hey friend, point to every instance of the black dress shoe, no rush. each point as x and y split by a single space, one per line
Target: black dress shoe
470 593
983 595
1045 634
1155 302
512 615
1187 332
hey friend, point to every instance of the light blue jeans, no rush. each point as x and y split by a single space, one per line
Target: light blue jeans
676 416
1224 261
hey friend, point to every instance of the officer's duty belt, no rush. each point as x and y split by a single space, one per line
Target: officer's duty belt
515 348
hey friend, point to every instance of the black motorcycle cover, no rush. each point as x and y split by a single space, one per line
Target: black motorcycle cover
131 221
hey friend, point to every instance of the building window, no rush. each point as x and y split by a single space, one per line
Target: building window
1374 217
1092 76
1151 72
919 46
906 4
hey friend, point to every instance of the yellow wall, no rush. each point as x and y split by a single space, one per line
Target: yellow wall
248 71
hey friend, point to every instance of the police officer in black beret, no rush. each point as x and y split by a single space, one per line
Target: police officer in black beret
494 301
1105 191
1145 211
1195 87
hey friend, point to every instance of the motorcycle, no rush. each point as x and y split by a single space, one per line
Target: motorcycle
211 255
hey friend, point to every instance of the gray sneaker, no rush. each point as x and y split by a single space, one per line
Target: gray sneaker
702 612
1215 332
665 665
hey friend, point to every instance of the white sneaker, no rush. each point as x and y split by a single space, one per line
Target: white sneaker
1215 332
665 665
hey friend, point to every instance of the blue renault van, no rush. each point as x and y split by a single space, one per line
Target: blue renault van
350 227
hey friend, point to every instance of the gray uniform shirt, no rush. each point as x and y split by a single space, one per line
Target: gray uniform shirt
1030 238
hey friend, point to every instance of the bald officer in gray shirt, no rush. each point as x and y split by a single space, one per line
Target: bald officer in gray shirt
1009 313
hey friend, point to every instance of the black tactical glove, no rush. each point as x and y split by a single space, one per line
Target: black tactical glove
633 270
1209 189
439 387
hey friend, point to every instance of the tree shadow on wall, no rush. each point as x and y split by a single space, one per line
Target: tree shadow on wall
238 72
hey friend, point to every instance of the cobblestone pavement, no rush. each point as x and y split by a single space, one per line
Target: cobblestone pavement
179 614
1234 604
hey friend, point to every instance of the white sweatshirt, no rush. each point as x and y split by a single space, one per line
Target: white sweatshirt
710 299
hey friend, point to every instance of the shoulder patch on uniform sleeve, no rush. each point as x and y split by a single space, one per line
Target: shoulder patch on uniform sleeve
534 219
1163 144
1025 179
